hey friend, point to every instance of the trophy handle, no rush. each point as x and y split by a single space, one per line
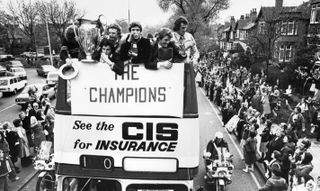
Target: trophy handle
75 33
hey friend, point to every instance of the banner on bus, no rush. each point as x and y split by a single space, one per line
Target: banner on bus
97 90
137 139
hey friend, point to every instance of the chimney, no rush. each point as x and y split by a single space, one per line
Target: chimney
279 3
242 17
253 15
247 16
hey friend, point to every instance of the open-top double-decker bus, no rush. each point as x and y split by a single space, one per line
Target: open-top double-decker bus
134 132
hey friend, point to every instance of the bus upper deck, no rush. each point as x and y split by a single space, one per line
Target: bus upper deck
141 125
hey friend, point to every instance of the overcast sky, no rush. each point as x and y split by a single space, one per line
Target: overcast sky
148 12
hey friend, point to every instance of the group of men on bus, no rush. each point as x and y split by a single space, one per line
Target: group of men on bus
117 49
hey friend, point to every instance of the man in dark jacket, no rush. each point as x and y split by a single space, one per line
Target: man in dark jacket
275 183
136 49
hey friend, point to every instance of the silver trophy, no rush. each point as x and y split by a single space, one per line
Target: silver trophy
88 37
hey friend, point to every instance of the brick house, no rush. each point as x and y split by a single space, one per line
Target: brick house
284 27
314 26
243 28
227 34
293 25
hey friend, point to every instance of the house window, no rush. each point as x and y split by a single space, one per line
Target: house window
315 14
262 27
288 53
244 35
284 26
290 29
281 53
285 53
229 46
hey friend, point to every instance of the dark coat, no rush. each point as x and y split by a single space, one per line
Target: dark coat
13 141
39 135
144 51
274 144
275 183
256 103
4 147
37 114
265 135
155 57
249 151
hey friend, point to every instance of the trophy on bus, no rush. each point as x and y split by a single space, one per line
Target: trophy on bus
88 36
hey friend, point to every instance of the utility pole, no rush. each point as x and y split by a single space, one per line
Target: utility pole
49 42
129 12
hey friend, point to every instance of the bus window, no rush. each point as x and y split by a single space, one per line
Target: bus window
89 184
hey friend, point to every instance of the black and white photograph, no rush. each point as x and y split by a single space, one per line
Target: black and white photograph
160 95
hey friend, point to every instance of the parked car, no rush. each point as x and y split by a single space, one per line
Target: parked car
14 63
2 69
4 56
18 71
39 89
12 84
52 78
43 70
31 55
5 72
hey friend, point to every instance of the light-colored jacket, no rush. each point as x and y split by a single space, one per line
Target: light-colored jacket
190 45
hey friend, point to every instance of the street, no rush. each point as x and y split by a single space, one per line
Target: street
209 124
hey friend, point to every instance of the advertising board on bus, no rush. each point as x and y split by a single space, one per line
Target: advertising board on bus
132 126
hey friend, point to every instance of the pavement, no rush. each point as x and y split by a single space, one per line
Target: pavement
26 174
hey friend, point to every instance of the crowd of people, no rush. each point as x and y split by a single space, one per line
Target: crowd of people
250 106
21 138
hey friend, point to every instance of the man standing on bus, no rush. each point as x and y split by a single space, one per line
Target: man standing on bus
136 49
185 41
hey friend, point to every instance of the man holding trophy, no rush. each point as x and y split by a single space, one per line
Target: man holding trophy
185 41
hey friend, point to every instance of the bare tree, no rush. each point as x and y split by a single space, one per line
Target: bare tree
198 12
10 25
59 14
26 16
265 37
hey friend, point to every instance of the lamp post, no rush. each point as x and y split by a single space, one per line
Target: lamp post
49 42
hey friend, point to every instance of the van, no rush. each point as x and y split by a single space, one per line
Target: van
12 84
18 71
52 78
